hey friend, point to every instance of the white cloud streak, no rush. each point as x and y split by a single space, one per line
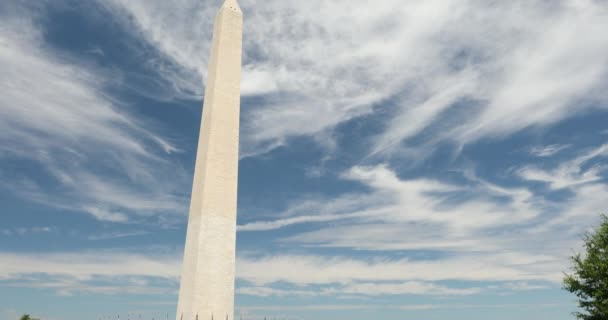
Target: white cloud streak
548 151
26 231
516 64
363 289
508 232
108 272
321 307
86 265
54 113
318 64
117 235
325 270
396 201
570 173
100 272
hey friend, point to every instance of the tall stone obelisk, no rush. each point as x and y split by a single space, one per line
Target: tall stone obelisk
207 280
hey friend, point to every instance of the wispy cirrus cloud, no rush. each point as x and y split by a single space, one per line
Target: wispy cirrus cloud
363 289
109 272
393 200
424 72
25 231
571 173
500 67
90 152
86 265
479 222
547 151
447 306
117 235
344 270
585 176
101 272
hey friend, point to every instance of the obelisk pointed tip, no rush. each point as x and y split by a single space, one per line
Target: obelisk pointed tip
232 4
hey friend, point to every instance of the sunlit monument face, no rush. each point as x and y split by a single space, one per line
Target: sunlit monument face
207 280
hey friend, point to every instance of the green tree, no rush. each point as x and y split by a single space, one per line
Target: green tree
589 281
25 317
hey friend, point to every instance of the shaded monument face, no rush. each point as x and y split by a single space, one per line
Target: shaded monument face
207 280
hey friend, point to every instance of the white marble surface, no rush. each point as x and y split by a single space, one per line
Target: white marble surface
207 281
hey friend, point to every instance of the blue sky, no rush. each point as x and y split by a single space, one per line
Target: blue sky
399 159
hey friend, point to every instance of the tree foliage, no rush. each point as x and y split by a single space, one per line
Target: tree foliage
25 317
589 281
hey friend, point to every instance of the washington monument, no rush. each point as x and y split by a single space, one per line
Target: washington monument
207 280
